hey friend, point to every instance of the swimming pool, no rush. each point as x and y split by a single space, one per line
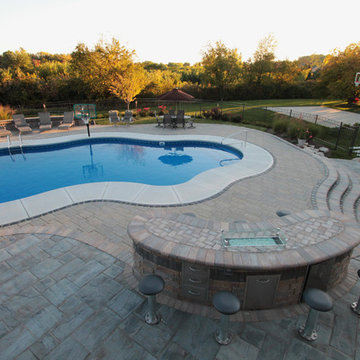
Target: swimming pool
33 170
201 186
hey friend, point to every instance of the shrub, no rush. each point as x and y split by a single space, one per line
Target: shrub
162 109
207 114
226 117
292 131
236 118
216 113
314 129
280 126
6 112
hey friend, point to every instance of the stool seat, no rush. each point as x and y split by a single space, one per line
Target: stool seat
282 213
151 284
318 299
226 303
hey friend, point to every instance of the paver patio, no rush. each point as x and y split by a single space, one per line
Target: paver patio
67 292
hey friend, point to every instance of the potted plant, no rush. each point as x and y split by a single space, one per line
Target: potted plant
303 136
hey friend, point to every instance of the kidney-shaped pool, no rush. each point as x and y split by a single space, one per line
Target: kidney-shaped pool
157 170
36 169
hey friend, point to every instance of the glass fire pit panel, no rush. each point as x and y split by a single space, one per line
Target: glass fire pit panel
257 241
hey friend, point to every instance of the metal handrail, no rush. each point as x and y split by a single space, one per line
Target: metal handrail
232 135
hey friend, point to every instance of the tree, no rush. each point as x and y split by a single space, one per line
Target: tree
128 84
263 59
338 72
100 67
221 66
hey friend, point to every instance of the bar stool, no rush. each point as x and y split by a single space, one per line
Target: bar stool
318 300
355 306
151 285
226 304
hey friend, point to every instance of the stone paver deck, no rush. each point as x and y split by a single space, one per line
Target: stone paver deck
67 291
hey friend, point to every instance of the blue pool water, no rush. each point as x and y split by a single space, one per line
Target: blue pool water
42 168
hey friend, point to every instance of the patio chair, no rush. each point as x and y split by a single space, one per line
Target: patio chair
172 113
21 124
167 121
45 121
181 112
114 116
128 118
68 121
180 120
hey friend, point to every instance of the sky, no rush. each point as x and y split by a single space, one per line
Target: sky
180 31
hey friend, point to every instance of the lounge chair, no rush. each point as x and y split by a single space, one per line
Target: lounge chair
128 118
4 132
114 116
21 124
68 121
45 121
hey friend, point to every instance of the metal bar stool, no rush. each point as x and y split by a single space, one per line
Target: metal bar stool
151 285
318 300
227 304
355 306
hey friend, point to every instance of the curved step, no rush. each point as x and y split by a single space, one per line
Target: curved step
320 197
338 191
351 199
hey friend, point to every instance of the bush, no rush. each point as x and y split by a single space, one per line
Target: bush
292 131
226 117
6 112
236 118
216 113
207 114
280 126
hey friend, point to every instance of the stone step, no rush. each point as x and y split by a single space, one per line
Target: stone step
351 199
320 196
345 195
337 193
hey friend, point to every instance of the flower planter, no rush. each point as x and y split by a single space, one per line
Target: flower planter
301 142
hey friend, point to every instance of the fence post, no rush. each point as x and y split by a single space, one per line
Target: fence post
353 141
316 118
290 112
243 112
338 136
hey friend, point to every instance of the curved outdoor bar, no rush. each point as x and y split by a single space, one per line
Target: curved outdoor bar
198 257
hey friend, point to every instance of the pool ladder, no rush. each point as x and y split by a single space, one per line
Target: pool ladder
20 146
235 141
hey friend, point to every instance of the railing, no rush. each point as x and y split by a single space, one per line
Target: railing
234 134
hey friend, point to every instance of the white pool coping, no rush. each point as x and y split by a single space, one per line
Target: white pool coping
205 185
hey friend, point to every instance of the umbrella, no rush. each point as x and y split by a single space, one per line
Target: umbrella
176 95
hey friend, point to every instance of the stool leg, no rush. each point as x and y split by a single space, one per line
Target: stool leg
355 307
151 317
308 331
222 336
